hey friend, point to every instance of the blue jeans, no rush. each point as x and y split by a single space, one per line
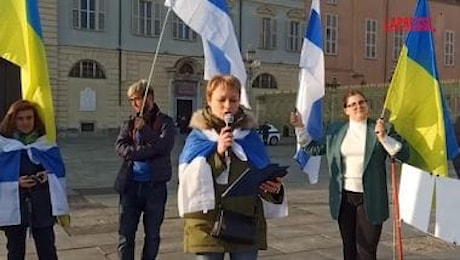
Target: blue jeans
141 198
251 255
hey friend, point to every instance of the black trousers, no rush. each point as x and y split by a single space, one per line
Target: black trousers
359 236
456 162
44 242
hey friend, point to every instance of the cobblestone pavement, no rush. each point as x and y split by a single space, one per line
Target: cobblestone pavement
307 233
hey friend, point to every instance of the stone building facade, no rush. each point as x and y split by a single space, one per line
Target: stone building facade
332 103
97 48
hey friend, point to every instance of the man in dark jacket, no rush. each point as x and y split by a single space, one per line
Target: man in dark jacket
145 143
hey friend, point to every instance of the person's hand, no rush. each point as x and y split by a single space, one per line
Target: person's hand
380 129
272 186
225 140
138 122
296 119
26 182
42 176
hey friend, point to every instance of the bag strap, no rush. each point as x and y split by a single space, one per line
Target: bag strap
230 187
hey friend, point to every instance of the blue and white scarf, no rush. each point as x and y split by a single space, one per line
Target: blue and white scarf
196 186
39 152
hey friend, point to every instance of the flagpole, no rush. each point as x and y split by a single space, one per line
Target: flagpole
396 218
152 68
397 234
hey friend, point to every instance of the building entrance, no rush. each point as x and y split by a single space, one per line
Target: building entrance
184 113
10 85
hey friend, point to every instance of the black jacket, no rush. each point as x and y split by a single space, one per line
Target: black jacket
35 202
157 141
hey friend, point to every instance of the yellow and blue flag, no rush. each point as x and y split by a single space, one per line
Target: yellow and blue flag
22 44
416 103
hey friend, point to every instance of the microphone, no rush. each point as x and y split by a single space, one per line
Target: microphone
228 119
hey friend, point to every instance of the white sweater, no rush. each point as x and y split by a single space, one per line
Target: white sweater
352 151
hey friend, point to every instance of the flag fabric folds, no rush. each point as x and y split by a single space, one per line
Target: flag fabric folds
211 20
196 183
311 90
416 104
39 152
22 44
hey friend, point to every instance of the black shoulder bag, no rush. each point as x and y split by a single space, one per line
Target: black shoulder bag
232 226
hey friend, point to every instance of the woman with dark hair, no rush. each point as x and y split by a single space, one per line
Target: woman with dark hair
8 126
32 183
356 150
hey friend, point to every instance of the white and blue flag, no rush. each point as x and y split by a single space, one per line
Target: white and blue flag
311 90
39 152
210 19
196 183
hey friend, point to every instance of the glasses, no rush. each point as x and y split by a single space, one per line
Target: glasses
355 104
134 99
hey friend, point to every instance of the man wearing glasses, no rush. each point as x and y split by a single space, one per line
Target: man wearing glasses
144 143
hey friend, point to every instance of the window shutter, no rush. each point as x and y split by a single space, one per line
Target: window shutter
101 15
261 33
76 14
135 17
274 38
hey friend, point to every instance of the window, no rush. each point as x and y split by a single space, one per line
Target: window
88 14
186 69
265 80
371 39
181 31
331 34
331 2
146 17
87 126
87 69
449 46
268 33
294 37
398 42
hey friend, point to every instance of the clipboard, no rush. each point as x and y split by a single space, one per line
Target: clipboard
248 182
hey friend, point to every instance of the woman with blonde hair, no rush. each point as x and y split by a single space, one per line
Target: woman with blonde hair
221 147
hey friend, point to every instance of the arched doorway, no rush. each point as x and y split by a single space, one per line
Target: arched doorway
10 85
187 93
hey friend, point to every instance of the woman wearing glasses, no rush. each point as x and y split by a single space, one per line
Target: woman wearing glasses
356 150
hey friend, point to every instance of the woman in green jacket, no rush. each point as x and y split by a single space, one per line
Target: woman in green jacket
356 151
215 154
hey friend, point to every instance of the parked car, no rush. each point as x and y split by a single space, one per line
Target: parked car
273 134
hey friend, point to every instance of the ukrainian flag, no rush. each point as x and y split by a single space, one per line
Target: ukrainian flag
416 103
22 43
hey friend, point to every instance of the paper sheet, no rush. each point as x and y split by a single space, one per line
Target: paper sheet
448 209
415 197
